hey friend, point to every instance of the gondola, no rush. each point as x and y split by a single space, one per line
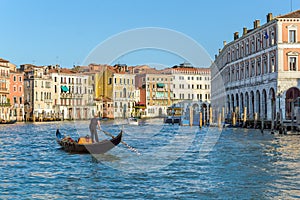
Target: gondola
84 145
8 121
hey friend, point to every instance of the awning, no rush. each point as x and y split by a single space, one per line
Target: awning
139 107
160 85
64 88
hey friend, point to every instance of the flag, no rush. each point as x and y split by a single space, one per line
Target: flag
266 36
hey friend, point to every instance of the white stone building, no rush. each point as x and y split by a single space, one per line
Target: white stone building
260 70
4 89
190 83
73 95
123 92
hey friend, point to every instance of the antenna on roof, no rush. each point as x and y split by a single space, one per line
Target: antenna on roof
291 5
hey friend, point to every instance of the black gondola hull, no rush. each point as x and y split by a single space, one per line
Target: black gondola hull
95 148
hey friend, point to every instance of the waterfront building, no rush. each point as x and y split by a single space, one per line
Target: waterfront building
38 92
115 88
191 90
123 92
16 94
52 92
260 70
104 90
72 94
4 89
156 92
190 83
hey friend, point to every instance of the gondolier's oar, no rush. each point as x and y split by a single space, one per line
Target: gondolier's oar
129 147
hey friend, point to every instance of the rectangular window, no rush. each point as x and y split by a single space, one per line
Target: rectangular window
273 69
292 36
20 79
292 63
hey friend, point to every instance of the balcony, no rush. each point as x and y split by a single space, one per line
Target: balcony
5 105
159 98
48 100
5 90
70 96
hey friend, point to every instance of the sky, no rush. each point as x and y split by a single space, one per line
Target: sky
66 32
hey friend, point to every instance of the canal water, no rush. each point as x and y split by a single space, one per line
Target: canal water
174 163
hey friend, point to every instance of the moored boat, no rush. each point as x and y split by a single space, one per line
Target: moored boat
133 121
85 145
8 121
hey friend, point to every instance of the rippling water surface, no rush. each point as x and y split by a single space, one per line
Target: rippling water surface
241 164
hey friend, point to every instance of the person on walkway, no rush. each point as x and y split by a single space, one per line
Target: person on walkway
93 128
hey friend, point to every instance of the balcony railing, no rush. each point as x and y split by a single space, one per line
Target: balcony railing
3 89
71 95
5 105
48 100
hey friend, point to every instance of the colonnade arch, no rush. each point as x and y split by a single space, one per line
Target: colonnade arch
262 102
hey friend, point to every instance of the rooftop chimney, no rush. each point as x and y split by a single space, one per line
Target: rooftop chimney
269 17
245 31
236 35
256 23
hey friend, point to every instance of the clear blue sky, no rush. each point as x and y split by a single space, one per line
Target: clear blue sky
46 32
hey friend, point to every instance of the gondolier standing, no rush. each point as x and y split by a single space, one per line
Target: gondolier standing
93 128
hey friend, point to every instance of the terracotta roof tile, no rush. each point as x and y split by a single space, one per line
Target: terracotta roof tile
62 70
295 14
2 60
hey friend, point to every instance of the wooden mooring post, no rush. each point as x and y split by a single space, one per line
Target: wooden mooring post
223 115
210 116
219 120
233 119
191 116
200 120
245 116
255 120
